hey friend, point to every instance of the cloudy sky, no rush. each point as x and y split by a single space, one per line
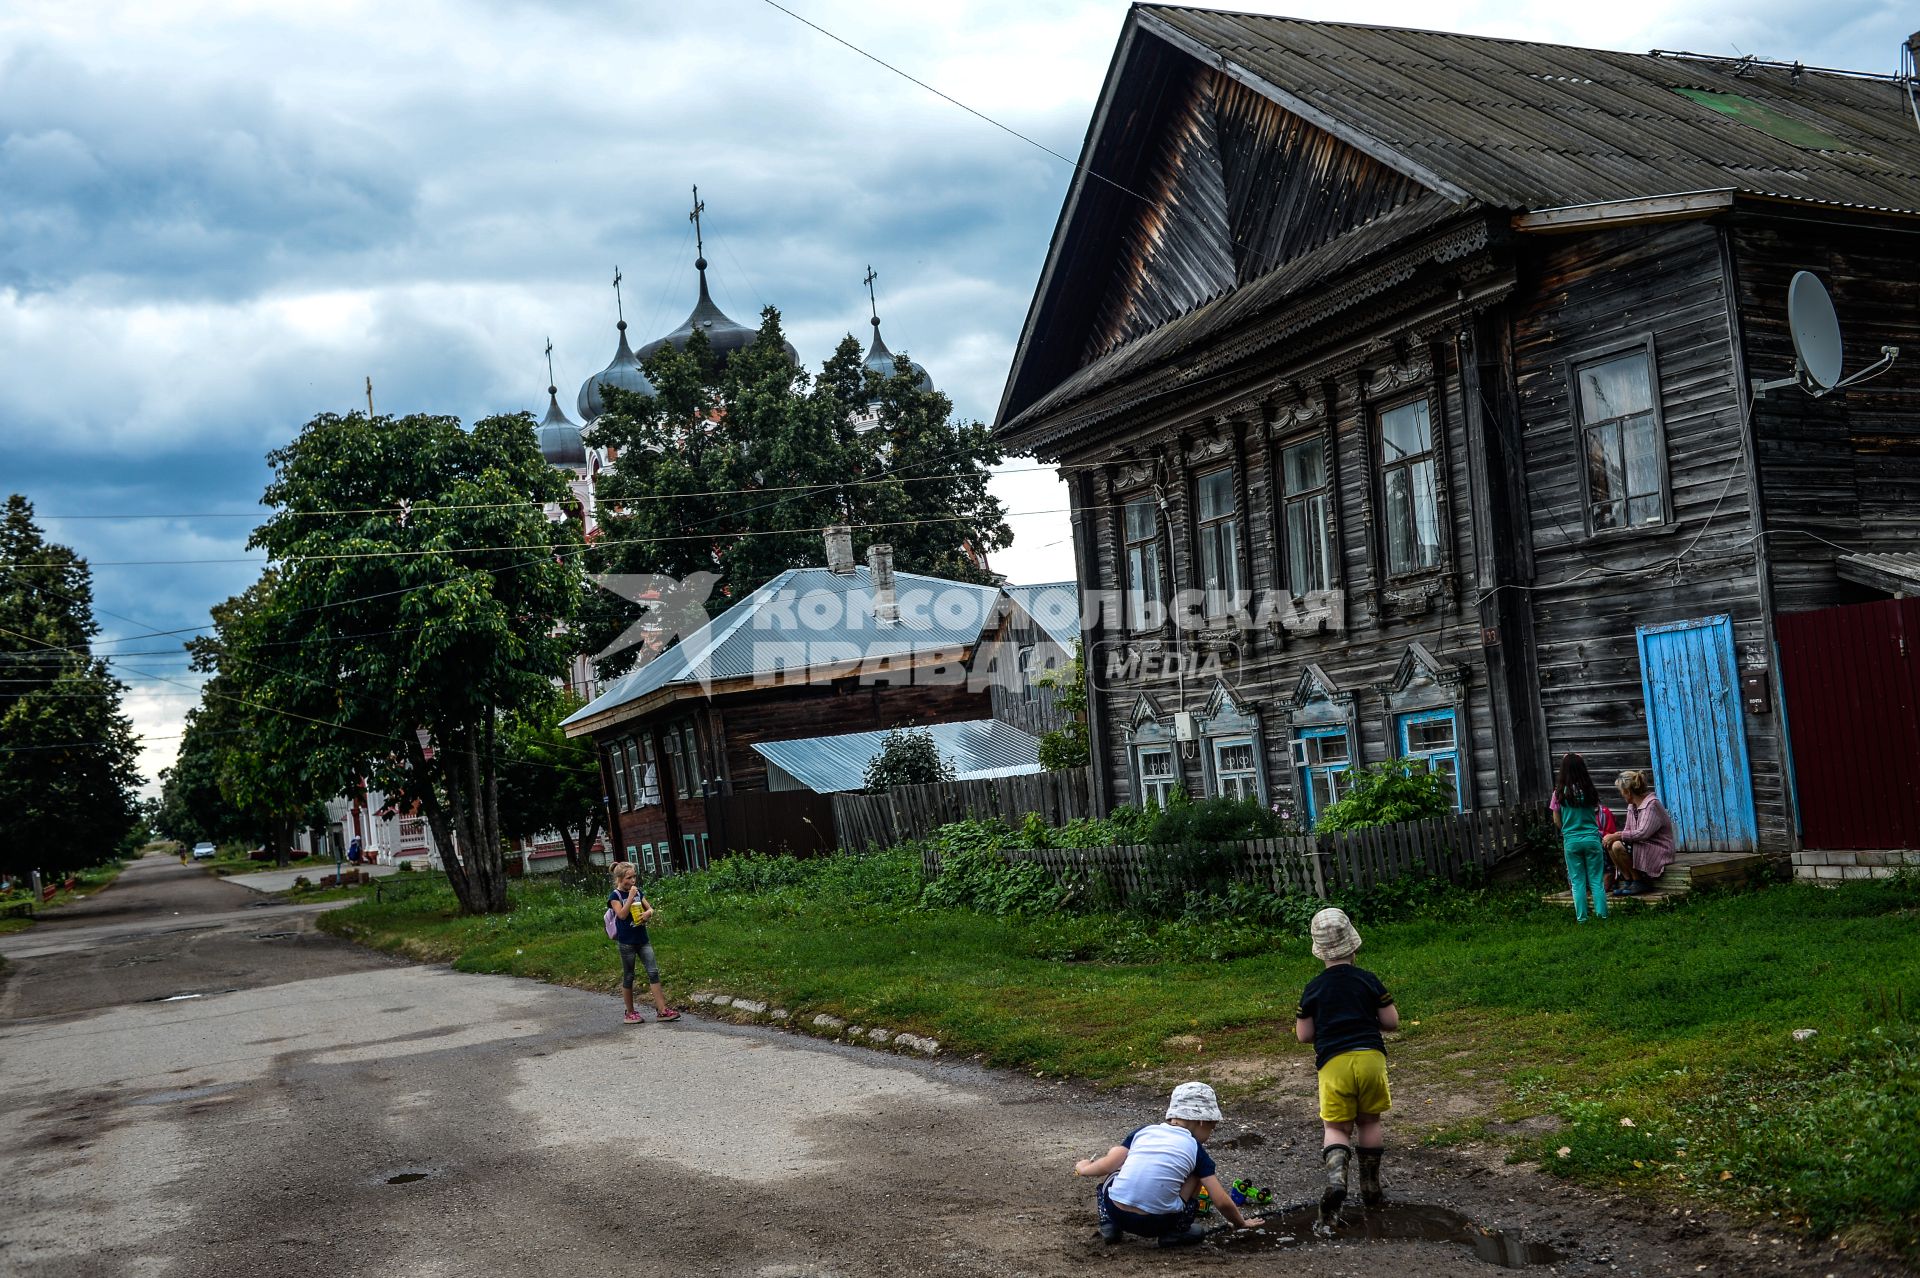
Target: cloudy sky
218 218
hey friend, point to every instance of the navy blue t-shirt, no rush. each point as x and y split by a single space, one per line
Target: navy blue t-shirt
1344 1002
625 931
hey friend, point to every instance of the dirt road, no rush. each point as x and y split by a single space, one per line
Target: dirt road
318 1108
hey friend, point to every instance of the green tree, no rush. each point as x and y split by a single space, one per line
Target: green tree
548 782
68 756
422 596
1070 745
688 491
262 794
907 756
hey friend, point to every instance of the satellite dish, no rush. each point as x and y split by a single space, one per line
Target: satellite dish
1815 328
1818 357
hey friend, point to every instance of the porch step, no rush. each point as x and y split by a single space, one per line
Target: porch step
1690 870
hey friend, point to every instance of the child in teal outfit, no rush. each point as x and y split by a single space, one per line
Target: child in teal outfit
1577 802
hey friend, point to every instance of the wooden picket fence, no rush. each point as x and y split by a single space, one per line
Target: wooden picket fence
1316 864
866 821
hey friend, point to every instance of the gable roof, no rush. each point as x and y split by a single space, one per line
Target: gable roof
1467 123
976 748
1054 607
804 623
1519 125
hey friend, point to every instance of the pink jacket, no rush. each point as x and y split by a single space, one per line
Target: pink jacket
1649 832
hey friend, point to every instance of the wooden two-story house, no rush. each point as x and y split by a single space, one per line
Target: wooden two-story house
1421 366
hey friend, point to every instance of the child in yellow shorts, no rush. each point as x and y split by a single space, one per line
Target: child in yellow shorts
1342 1013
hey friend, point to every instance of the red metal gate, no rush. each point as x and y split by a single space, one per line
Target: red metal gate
1852 681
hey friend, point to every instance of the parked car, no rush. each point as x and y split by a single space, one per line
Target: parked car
203 851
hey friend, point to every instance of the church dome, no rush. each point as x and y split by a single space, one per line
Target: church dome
724 334
623 373
881 360
560 441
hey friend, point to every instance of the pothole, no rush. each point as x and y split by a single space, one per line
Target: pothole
407 1178
272 936
1395 1222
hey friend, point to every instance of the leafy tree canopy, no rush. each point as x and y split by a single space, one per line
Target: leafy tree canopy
908 756
68 774
549 783
734 469
422 593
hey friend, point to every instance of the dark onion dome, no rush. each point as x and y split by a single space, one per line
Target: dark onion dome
723 334
560 441
880 360
624 373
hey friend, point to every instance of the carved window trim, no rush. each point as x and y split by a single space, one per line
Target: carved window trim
1445 689
1205 529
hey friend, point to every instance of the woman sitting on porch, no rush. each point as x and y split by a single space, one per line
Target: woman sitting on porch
1643 849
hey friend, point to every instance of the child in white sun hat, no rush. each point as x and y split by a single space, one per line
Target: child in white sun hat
1155 1175
1342 1013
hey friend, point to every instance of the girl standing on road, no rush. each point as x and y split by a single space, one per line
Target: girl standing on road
628 912
1577 802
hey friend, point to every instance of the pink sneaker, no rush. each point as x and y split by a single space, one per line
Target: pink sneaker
669 1015
634 1018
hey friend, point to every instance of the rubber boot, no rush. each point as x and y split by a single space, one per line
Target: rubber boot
1370 1191
1336 1158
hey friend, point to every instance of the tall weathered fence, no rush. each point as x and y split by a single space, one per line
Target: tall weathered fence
907 812
1316 864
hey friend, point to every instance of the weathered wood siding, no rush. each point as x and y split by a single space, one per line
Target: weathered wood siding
1840 473
1382 616
1589 294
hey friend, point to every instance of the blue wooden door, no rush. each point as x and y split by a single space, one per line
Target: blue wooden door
1697 733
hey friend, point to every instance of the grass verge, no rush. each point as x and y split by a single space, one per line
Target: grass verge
1658 1045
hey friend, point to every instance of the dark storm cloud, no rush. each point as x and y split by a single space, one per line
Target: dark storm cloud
193 187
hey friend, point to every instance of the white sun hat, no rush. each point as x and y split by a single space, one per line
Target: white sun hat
1333 933
1194 1101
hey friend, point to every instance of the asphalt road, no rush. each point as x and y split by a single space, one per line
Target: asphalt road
316 1108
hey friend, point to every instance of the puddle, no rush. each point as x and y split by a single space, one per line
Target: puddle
407 1178
272 936
181 998
1395 1222
186 1094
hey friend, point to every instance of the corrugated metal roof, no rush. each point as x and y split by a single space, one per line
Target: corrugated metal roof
1895 574
1519 125
1054 607
808 618
978 748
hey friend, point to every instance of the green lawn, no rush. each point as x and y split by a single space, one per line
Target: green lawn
1659 1039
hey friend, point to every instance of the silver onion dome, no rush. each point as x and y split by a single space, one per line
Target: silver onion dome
624 373
881 360
724 334
560 441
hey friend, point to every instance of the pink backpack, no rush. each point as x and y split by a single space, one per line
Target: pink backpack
613 924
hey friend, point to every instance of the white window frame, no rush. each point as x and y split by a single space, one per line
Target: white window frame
1414 465
1248 777
1316 505
1157 791
1218 537
1141 559
1584 429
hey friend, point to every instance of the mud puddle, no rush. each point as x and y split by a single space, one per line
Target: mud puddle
1293 1227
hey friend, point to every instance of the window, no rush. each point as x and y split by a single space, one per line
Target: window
1303 480
1620 437
1432 735
688 845
1409 485
1144 596
706 857
683 759
646 778
646 854
1157 777
1029 690
1325 762
1219 542
1236 770
617 769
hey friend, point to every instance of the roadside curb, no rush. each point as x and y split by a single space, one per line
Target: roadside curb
821 1025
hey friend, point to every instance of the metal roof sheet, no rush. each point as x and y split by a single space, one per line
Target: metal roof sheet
1895 574
976 749
1054 607
806 619
1519 125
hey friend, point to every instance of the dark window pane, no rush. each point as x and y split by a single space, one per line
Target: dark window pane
1216 495
1141 521
1305 467
1405 432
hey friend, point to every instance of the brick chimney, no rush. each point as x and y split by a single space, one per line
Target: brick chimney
840 550
886 606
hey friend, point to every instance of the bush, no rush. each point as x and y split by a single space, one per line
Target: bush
907 756
976 875
1386 793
